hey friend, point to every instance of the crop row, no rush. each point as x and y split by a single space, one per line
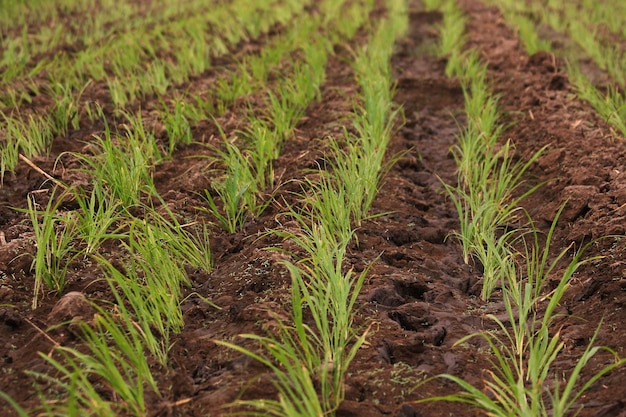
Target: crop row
311 351
590 32
515 260
133 65
118 206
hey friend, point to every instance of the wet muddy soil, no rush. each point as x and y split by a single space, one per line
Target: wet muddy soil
419 297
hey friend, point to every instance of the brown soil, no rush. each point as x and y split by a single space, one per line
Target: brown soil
420 295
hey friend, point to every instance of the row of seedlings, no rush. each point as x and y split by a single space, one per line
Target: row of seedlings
146 288
252 71
149 60
248 174
310 360
584 25
47 27
523 381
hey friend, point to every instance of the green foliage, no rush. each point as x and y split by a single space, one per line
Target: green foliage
98 217
611 105
359 167
150 282
65 112
9 156
177 124
236 189
524 380
29 134
583 25
115 358
451 35
488 176
124 165
54 234
310 362
302 356
186 247
264 145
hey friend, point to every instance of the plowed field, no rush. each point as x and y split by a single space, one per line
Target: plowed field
419 296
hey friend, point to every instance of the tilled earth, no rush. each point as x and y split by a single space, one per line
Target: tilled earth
420 297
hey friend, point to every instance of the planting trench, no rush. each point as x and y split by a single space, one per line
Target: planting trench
419 294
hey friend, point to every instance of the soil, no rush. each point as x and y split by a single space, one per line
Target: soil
420 297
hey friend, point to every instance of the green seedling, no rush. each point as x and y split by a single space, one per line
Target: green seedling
264 145
177 124
138 136
304 356
360 165
527 32
32 134
151 309
65 112
230 89
119 95
486 203
151 286
452 28
611 106
98 217
331 205
115 359
285 109
358 175
54 235
487 177
9 157
154 80
524 381
125 165
189 248
237 190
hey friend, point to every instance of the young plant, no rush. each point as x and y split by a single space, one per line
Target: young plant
237 190
192 249
65 112
151 283
285 109
451 34
264 145
176 124
125 165
230 89
310 362
487 177
115 358
54 234
138 136
33 134
9 157
611 105
524 381
331 203
486 204
97 218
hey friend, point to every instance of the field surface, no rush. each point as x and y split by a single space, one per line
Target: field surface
139 212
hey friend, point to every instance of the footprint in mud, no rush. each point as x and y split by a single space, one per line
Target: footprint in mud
407 351
405 304
412 317
410 350
401 292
